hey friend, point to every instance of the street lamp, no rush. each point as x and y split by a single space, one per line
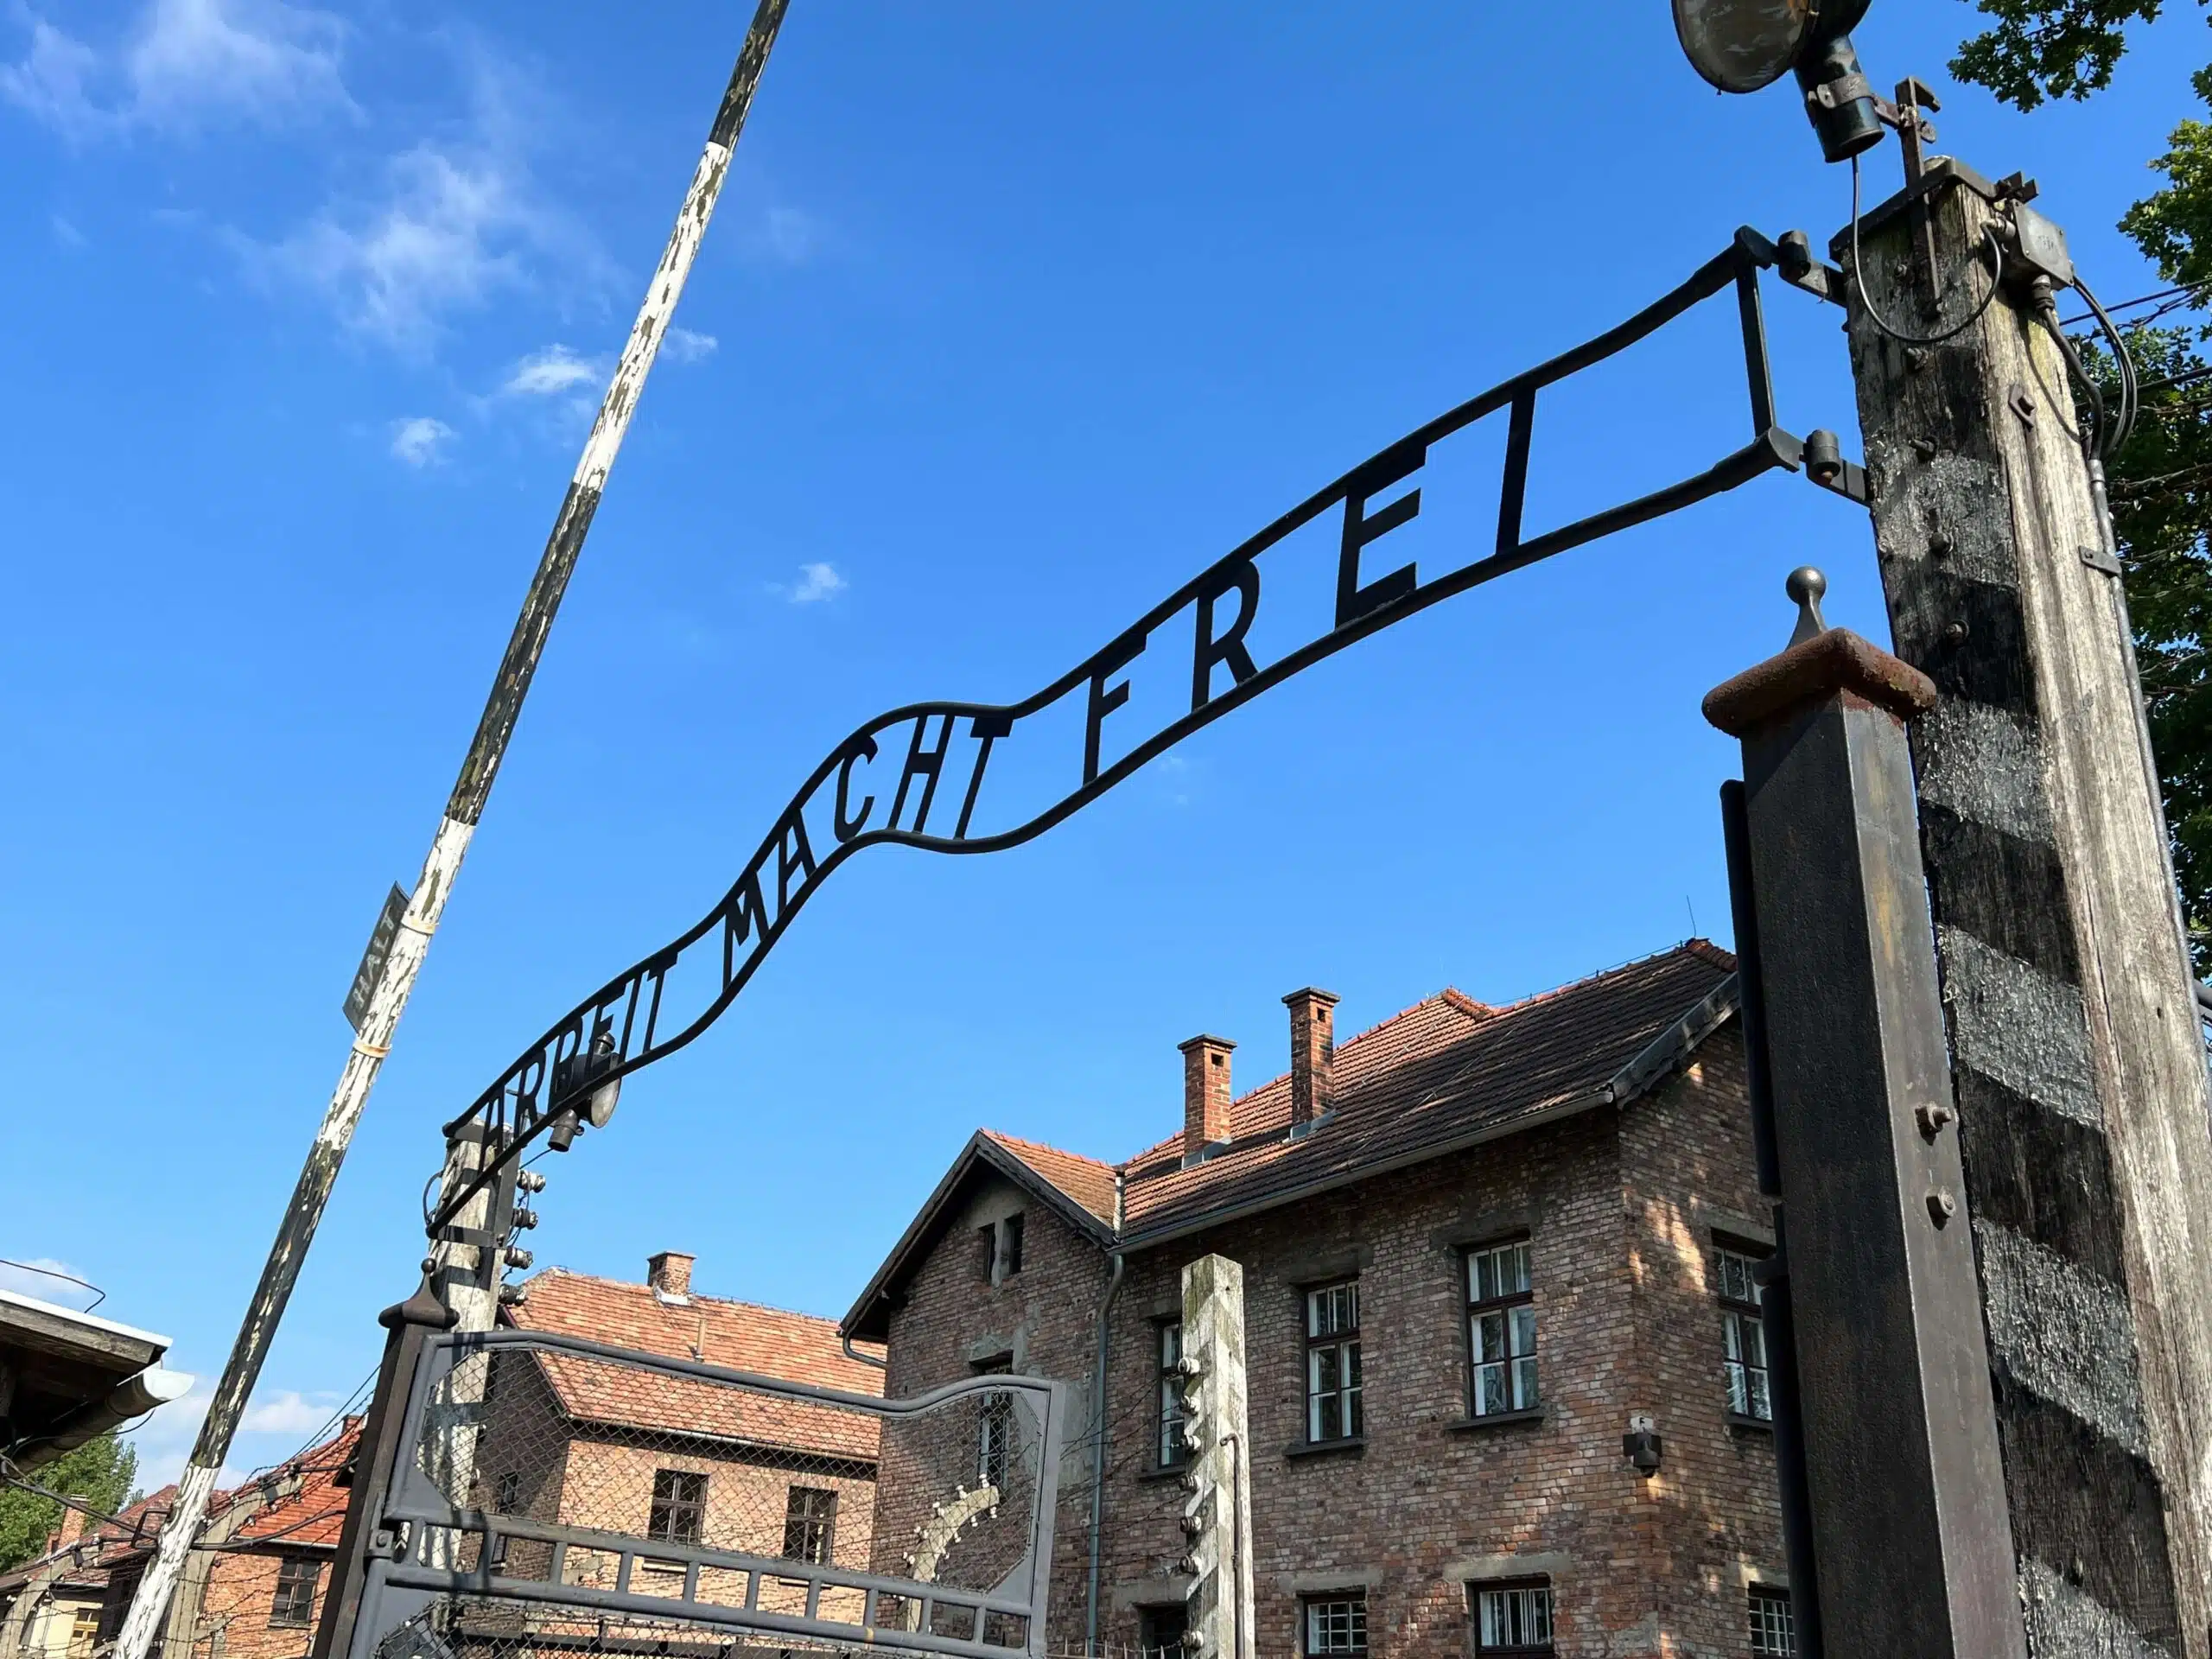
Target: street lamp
571 1077
1743 46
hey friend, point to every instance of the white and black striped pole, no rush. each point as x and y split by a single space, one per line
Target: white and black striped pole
411 941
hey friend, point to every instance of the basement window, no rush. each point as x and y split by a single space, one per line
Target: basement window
1514 1618
1336 1623
1774 1628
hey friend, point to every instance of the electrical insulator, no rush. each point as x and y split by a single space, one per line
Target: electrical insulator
518 1257
1192 1526
531 1181
513 1295
524 1219
1186 1566
1189 1366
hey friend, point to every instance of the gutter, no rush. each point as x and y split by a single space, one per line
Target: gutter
132 1397
1098 1426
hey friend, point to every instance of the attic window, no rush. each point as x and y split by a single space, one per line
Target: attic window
1001 1252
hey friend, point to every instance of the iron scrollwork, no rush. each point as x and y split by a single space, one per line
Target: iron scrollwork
904 770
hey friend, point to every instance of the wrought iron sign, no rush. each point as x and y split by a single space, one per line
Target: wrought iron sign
938 775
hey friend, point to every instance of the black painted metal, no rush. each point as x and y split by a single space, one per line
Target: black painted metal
837 808
1774 1274
1910 1541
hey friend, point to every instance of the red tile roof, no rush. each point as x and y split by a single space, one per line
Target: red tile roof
313 1511
1444 1073
740 1336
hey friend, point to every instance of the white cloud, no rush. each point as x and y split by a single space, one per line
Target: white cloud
453 222
53 84
550 372
420 440
789 236
687 346
288 1412
260 60
185 64
67 234
36 1277
816 583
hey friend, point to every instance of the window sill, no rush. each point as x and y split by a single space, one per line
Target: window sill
1495 1420
1742 1424
1167 1472
1355 1447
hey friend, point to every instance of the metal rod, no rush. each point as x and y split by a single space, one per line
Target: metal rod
148 1606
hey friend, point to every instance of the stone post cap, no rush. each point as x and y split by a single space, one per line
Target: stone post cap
1837 661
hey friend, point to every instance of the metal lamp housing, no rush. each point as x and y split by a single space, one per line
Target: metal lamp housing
1743 46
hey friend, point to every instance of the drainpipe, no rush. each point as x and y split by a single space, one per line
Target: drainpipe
1098 1429
847 1342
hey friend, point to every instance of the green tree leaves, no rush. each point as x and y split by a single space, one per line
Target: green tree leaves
2049 49
100 1472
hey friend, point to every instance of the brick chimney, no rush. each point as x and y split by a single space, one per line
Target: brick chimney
669 1272
73 1528
1205 1093
1312 1054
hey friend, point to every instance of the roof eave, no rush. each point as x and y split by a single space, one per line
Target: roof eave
1655 1063
868 1318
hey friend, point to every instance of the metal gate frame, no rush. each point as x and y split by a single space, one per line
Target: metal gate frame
396 1507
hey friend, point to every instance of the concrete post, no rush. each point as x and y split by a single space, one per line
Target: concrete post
1217 1517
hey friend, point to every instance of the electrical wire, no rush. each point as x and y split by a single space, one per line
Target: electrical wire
98 1295
1859 276
2185 294
2129 392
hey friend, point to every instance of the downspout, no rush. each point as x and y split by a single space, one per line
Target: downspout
1098 1427
847 1342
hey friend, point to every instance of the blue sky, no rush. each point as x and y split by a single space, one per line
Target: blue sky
1014 316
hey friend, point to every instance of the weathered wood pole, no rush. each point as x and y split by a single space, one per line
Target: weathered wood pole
1909 1549
2076 1064
372 1041
1217 1514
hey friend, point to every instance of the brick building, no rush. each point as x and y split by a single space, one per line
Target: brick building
1480 1245
576 1441
251 1592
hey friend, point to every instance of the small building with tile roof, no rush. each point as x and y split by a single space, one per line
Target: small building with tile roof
572 1440
1481 1244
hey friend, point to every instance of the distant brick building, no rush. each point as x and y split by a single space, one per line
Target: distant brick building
251 1592
1480 1244
578 1442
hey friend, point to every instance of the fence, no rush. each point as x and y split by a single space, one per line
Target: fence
550 1496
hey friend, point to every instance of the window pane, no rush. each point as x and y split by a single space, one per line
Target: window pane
1524 1330
1761 1404
1489 1390
1773 1630
1171 1345
1524 1385
1489 1336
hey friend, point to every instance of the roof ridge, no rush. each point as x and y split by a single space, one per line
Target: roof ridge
1002 1137
693 1298
1683 948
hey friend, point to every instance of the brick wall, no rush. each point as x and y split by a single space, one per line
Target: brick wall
1620 1208
234 1610
1043 1321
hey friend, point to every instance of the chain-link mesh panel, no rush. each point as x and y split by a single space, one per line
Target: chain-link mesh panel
566 1475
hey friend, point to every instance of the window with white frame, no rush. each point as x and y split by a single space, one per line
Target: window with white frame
1774 1630
1501 1329
1743 1335
1514 1618
1169 1343
1332 1390
1336 1623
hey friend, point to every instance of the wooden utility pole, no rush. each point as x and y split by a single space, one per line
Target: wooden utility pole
1217 1513
394 980
2077 1064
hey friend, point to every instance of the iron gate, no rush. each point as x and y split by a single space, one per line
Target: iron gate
538 1495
